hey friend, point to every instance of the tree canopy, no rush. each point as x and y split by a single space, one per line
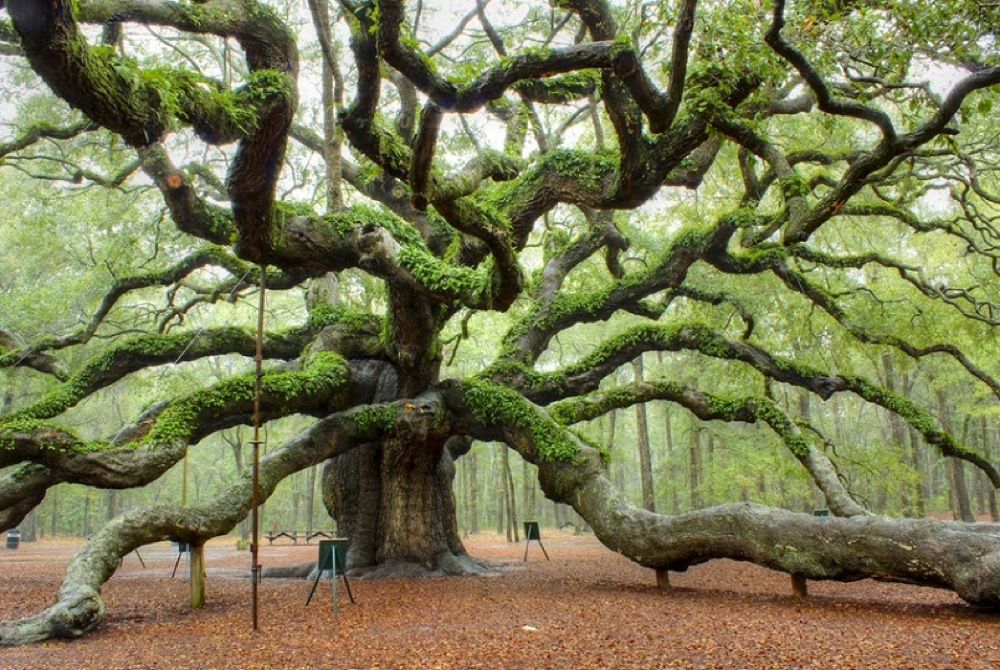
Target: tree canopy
781 193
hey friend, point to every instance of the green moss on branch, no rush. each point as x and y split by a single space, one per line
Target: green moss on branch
502 407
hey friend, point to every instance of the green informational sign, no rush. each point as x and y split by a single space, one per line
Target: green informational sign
331 552
333 557
821 512
531 532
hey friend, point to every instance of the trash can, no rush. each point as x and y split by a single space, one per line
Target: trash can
13 538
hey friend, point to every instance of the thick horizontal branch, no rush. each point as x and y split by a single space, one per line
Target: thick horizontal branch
560 89
529 338
142 452
708 407
354 334
79 607
962 557
585 376
775 261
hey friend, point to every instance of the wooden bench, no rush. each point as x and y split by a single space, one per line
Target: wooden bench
296 535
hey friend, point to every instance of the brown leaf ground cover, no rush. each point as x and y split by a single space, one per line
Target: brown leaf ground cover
587 608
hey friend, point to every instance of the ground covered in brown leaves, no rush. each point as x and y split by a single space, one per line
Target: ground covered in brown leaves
587 608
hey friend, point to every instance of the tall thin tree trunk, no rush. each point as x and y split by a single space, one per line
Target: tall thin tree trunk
991 493
310 499
527 490
511 496
694 464
619 467
500 483
110 504
645 457
668 438
473 492
916 463
29 527
296 500
54 520
961 509
913 504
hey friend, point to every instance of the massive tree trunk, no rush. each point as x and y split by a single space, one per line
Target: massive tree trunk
395 503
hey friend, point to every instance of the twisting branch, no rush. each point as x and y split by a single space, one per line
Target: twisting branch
146 351
660 108
601 233
208 256
423 153
38 132
586 374
824 99
529 338
726 121
708 407
774 260
79 607
888 152
141 453
961 557
492 83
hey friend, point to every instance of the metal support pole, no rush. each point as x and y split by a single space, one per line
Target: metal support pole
256 442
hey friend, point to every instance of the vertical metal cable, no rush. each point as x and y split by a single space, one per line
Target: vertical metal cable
259 358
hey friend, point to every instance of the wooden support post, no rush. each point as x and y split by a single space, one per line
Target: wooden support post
197 575
662 578
800 589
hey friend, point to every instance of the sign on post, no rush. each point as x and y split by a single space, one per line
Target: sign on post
182 548
531 532
332 557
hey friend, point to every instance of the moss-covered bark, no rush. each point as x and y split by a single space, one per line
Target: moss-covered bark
961 557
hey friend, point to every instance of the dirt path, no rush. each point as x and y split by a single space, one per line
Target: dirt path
587 608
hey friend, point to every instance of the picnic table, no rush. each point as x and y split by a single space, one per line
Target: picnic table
296 535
